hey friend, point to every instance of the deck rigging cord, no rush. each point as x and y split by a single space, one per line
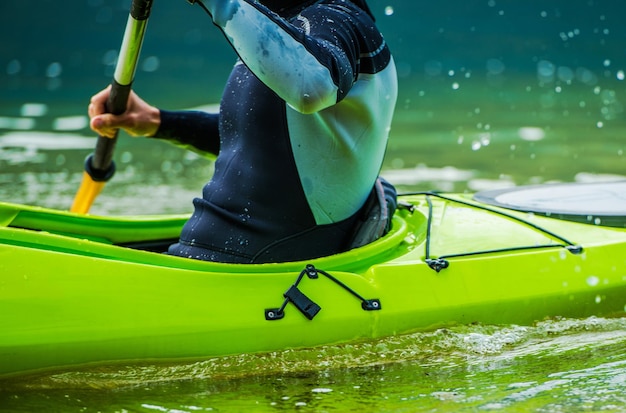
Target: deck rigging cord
306 305
310 309
442 262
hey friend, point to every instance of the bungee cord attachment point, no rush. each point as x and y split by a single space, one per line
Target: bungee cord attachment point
305 305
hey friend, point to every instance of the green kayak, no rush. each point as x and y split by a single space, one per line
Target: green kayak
81 290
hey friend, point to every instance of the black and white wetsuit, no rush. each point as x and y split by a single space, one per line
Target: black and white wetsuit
300 136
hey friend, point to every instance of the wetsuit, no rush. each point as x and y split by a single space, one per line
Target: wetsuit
300 135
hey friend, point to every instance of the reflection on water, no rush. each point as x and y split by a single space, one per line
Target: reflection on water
555 365
45 168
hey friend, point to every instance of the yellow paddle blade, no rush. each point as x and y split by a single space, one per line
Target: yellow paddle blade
87 193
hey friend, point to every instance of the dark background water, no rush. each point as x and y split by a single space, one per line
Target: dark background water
492 93
186 59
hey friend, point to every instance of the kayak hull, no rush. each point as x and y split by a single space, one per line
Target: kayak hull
73 293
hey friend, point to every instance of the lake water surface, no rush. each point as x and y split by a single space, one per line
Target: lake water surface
493 94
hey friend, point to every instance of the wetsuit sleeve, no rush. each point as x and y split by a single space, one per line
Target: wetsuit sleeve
309 62
191 129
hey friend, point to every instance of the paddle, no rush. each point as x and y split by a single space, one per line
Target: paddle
99 166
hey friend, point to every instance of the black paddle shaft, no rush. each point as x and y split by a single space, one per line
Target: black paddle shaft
100 165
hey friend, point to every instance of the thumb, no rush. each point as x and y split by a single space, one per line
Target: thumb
104 125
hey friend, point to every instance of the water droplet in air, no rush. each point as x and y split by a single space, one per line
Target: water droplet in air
126 157
110 57
545 70
14 67
54 69
150 64
485 139
495 66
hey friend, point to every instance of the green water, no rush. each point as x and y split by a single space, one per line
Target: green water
493 94
554 366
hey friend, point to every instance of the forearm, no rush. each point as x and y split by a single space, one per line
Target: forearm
197 129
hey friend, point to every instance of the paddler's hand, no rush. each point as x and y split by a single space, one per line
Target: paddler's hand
140 118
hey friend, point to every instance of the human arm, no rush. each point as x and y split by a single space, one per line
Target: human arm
191 129
195 129
309 61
